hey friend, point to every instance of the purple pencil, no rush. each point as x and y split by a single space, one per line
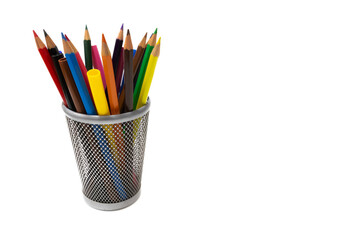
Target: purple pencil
117 49
119 71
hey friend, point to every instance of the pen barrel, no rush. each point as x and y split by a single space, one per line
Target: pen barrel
109 151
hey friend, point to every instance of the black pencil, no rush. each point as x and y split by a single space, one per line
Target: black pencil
52 48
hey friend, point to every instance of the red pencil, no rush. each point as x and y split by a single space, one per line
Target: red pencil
49 64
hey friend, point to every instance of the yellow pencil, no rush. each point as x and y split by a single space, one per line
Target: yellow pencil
149 75
98 92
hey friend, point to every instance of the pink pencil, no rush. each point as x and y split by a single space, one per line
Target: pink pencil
82 66
97 63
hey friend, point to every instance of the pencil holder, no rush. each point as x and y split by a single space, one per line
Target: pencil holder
109 152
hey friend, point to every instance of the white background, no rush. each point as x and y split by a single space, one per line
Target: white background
254 129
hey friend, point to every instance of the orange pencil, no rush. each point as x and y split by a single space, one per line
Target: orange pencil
109 77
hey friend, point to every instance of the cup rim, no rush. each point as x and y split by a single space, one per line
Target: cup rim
111 119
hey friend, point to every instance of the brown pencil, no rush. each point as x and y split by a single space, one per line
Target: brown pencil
128 73
138 56
79 107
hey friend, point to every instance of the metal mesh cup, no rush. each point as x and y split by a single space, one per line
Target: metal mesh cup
109 152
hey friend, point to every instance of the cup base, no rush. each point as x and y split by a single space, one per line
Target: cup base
112 206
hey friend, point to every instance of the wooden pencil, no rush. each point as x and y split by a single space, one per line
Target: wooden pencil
143 67
52 48
117 48
55 55
69 101
109 77
78 78
82 66
119 71
128 73
138 56
49 64
149 75
87 50
79 107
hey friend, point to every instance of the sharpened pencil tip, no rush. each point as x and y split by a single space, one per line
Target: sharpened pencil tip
159 40
67 39
35 35
122 27
103 38
128 32
63 37
45 33
86 27
155 31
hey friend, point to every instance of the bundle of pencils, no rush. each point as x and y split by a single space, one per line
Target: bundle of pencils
122 81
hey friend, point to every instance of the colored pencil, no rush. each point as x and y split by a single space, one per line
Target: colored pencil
143 67
82 66
109 77
117 48
69 101
79 107
49 64
119 70
149 75
138 56
121 100
128 73
97 63
52 48
136 75
87 50
55 56
78 77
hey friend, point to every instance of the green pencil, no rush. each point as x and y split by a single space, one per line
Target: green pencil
143 67
87 49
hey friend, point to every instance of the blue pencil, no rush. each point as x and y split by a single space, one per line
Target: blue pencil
78 78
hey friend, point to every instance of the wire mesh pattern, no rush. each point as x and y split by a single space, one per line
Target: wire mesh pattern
109 157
